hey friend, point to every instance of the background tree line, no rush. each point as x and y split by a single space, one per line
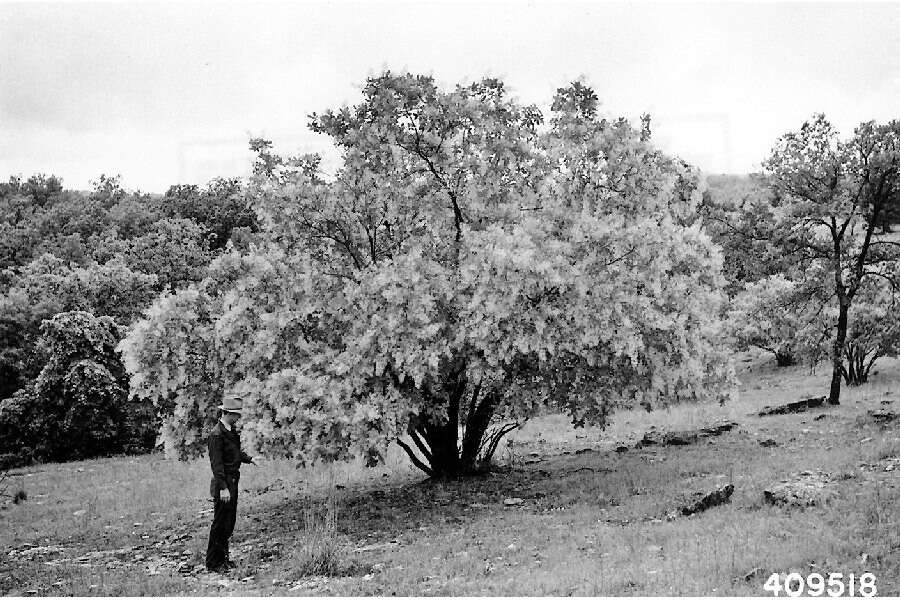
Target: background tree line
76 269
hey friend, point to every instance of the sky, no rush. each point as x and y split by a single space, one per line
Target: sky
171 93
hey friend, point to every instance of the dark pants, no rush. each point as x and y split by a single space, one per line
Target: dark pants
224 516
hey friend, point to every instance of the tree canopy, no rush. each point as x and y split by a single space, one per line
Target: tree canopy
468 264
835 196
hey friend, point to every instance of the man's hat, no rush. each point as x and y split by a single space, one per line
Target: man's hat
232 404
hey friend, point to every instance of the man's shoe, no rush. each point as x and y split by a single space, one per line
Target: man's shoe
219 569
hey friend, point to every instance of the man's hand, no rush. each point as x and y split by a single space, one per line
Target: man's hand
257 460
225 496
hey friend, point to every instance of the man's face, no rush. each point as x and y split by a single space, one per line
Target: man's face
231 418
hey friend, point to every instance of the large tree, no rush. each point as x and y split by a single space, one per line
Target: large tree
467 265
834 194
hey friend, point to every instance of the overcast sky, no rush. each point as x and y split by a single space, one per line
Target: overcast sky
170 93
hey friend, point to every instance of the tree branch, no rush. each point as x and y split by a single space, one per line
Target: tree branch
414 459
415 435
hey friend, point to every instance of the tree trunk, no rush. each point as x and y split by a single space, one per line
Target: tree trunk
444 449
834 396
444 439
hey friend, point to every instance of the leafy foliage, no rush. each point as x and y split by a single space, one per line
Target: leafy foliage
466 266
48 286
782 317
78 406
834 194
873 332
740 214
219 208
174 250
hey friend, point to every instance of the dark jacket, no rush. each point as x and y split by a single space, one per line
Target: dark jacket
225 458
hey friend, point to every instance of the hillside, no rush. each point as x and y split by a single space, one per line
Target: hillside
566 515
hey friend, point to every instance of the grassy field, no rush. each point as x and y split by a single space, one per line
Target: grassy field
591 521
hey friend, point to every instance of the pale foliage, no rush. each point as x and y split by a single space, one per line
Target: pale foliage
785 317
465 257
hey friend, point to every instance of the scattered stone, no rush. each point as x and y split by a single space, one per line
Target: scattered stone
805 489
513 501
621 449
820 417
793 407
752 574
768 443
584 450
865 440
683 438
79 513
703 501
881 416
30 551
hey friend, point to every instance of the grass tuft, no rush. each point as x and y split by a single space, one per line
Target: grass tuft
321 551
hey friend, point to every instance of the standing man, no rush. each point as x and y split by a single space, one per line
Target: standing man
225 458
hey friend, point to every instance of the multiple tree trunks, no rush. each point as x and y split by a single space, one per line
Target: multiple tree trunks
857 370
793 407
684 438
449 452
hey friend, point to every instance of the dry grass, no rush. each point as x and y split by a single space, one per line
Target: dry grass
591 523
